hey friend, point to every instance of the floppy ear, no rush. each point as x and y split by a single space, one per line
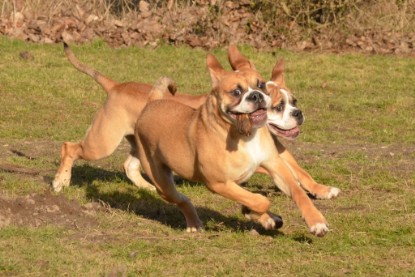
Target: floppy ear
237 60
215 69
278 73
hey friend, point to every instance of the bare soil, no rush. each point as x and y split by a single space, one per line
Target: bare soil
38 209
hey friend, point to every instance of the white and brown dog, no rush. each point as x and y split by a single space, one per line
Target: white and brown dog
284 119
221 144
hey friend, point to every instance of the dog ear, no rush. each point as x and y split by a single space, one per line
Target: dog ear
277 75
215 69
237 60
274 92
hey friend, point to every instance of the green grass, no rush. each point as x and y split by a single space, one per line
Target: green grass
358 135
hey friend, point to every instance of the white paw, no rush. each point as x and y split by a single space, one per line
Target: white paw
269 224
334 192
145 185
320 229
60 182
193 229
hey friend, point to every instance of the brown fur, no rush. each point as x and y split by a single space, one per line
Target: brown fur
244 124
117 118
190 141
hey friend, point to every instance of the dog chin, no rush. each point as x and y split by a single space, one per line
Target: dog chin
289 134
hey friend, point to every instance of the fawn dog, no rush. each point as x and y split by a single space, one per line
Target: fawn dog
116 119
221 144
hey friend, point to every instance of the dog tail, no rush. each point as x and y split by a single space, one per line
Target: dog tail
104 81
160 87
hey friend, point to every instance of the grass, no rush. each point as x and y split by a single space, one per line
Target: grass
358 135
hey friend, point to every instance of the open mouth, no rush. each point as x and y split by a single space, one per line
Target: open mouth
290 133
257 117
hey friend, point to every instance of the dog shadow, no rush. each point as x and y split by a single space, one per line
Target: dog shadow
150 206
85 173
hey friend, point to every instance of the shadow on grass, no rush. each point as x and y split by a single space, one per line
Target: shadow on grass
150 206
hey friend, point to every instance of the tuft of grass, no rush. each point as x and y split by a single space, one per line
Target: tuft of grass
358 136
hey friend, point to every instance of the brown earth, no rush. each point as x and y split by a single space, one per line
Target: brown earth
38 209
212 23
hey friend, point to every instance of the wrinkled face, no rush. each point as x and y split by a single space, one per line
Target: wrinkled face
284 117
243 100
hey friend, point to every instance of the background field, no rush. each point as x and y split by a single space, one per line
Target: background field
358 135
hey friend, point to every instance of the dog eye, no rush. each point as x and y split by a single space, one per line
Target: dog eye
236 92
261 85
280 107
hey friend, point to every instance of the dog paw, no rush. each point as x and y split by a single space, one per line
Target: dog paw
334 192
268 220
319 229
146 186
326 193
194 229
273 222
60 182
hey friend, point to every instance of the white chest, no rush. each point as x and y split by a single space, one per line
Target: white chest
255 151
242 164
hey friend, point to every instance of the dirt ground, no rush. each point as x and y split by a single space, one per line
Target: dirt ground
38 209
45 207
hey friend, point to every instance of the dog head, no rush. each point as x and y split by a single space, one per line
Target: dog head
284 118
241 95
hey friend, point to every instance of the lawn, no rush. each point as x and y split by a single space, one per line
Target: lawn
359 135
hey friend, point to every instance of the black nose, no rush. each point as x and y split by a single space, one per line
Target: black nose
255 97
298 115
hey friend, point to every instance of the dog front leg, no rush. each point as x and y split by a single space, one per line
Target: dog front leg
287 183
170 194
307 182
162 178
256 206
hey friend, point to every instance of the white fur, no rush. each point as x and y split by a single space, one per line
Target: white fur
320 229
132 169
247 106
256 151
256 154
285 120
334 192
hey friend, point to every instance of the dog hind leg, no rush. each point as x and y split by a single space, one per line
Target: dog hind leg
132 170
99 142
70 152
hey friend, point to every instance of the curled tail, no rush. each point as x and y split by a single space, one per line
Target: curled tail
160 87
105 82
